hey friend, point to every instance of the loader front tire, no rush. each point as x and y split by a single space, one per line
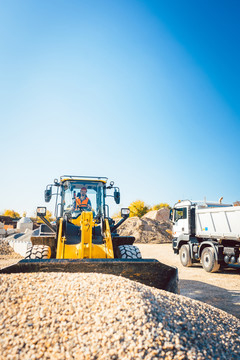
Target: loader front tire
38 252
185 256
128 252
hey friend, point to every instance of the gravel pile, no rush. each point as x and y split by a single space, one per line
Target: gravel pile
96 316
6 249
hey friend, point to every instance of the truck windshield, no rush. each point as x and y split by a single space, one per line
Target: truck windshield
180 213
80 196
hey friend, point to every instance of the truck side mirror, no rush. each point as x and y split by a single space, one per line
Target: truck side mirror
171 215
117 196
48 194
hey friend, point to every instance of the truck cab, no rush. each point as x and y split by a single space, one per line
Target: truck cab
180 218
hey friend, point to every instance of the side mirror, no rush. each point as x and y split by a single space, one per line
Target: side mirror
41 211
117 196
48 194
171 215
125 212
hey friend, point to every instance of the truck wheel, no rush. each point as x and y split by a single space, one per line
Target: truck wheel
208 259
185 257
38 252
128 252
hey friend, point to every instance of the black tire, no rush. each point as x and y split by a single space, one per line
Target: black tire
208 260
128 252
185 256
38 252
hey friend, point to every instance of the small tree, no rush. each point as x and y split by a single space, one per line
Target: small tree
11 213
138 208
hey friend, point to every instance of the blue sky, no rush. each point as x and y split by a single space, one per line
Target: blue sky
143 92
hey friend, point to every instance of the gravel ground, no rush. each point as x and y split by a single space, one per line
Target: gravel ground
220 289
96 316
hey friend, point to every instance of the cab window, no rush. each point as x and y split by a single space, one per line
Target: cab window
180 213
95 193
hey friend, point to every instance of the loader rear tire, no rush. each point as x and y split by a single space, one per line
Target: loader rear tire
38 252
128 252
185 256
208 259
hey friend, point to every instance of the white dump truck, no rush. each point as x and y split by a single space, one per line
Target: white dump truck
206 232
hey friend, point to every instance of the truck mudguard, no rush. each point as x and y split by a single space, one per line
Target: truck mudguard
207 244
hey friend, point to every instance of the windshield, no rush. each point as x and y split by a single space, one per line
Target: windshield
80 196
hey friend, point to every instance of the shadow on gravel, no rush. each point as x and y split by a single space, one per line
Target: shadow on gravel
223 299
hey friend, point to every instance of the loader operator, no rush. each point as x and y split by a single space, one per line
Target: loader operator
82 202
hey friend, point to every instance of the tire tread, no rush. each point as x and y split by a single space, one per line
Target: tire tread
128 252
38 252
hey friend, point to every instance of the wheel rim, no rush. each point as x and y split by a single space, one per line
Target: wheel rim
206 259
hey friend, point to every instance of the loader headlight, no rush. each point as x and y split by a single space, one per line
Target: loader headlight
41 211
125 212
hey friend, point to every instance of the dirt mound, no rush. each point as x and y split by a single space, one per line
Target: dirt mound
148 229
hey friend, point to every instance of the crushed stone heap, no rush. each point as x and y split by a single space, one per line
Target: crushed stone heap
96 316
7 251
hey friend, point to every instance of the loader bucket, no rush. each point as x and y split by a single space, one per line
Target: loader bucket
150 272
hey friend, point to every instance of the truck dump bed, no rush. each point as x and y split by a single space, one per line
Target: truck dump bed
218 223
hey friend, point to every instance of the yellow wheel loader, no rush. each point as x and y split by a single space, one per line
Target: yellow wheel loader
85 238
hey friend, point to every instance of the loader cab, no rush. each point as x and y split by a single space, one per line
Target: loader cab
70 194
